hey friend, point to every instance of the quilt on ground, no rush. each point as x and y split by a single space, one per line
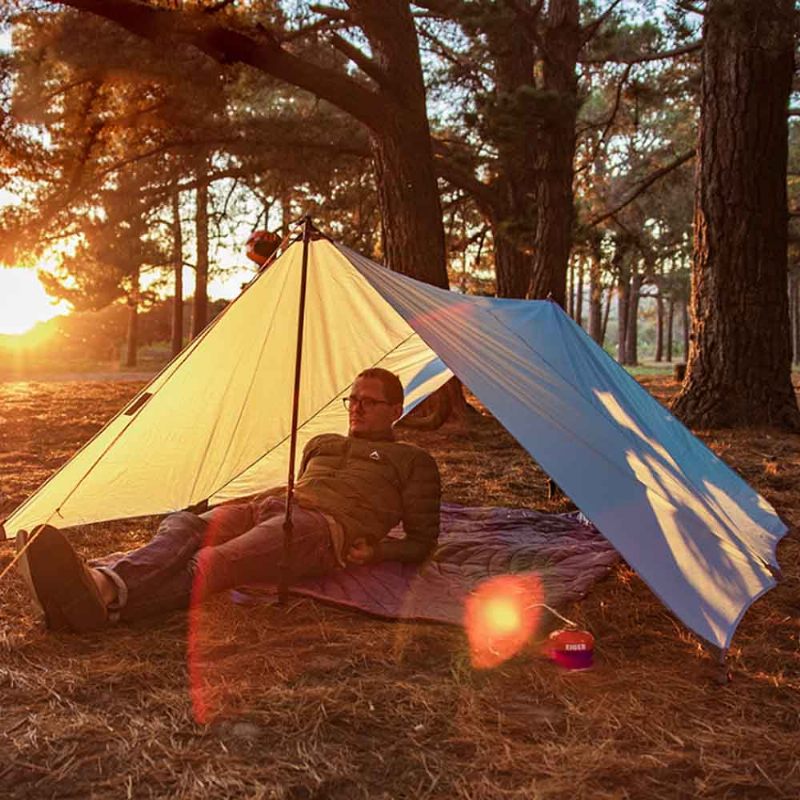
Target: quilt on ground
565 552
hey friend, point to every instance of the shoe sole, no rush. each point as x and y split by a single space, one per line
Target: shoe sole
62 585
53 619
24 568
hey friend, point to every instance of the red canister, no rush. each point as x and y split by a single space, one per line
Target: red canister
571 648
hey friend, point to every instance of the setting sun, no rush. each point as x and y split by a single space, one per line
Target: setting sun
23 301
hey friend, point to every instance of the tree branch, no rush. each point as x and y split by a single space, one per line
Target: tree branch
331 12
319 25
361 60
227 46
642 187
685 5
591 28
464 179
641 59
212 9
612 116
442 8
447 53
353 148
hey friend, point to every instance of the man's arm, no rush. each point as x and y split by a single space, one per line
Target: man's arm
308 452
421 495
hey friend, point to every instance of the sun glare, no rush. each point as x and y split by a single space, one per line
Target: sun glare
23 301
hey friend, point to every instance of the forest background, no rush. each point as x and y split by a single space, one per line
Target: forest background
598 153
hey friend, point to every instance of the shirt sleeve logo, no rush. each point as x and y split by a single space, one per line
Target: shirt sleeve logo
375 455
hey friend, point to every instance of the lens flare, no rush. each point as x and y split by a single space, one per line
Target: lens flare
211 686
501 616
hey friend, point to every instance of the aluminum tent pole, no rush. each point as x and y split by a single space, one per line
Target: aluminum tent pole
288 525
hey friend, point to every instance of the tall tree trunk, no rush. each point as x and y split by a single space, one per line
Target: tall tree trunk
739 368
286 213
570 307
515 208
686 327
596 330
632 332
670 326
200 303
659 327
561 41
621 268
606 315
414 244
512 266
796 317
579 293
792 314
132 338
408 194
623 308
177 260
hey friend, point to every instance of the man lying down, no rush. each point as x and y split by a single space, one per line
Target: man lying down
351 490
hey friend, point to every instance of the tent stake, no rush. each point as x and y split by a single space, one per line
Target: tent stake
722 675
288 525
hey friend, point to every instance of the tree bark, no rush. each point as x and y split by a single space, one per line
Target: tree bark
596 330
401 144
414 243
623 307
792 317
177 260
659 328
561 42
796 317
739 367
632 331
579 293
622 270
200 301
446 404
570 307
606 315
514 223
132 338
286 214
512 266
670 326
686 327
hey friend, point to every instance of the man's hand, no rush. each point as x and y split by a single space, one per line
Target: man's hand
360 552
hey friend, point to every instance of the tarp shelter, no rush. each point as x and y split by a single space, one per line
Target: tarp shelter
214 424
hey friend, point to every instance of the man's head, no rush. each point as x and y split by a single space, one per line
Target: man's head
375 403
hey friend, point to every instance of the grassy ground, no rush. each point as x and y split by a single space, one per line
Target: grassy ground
315 702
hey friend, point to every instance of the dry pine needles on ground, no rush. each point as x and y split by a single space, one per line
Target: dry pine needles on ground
315 702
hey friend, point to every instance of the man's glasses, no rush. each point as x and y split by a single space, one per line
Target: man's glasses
367 403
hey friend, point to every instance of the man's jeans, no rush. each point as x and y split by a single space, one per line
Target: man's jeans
192 557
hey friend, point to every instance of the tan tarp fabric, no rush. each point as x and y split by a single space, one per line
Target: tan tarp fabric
217 422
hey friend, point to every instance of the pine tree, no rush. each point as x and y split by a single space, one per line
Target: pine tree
739 363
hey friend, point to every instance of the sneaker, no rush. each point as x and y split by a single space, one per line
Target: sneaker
60 582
